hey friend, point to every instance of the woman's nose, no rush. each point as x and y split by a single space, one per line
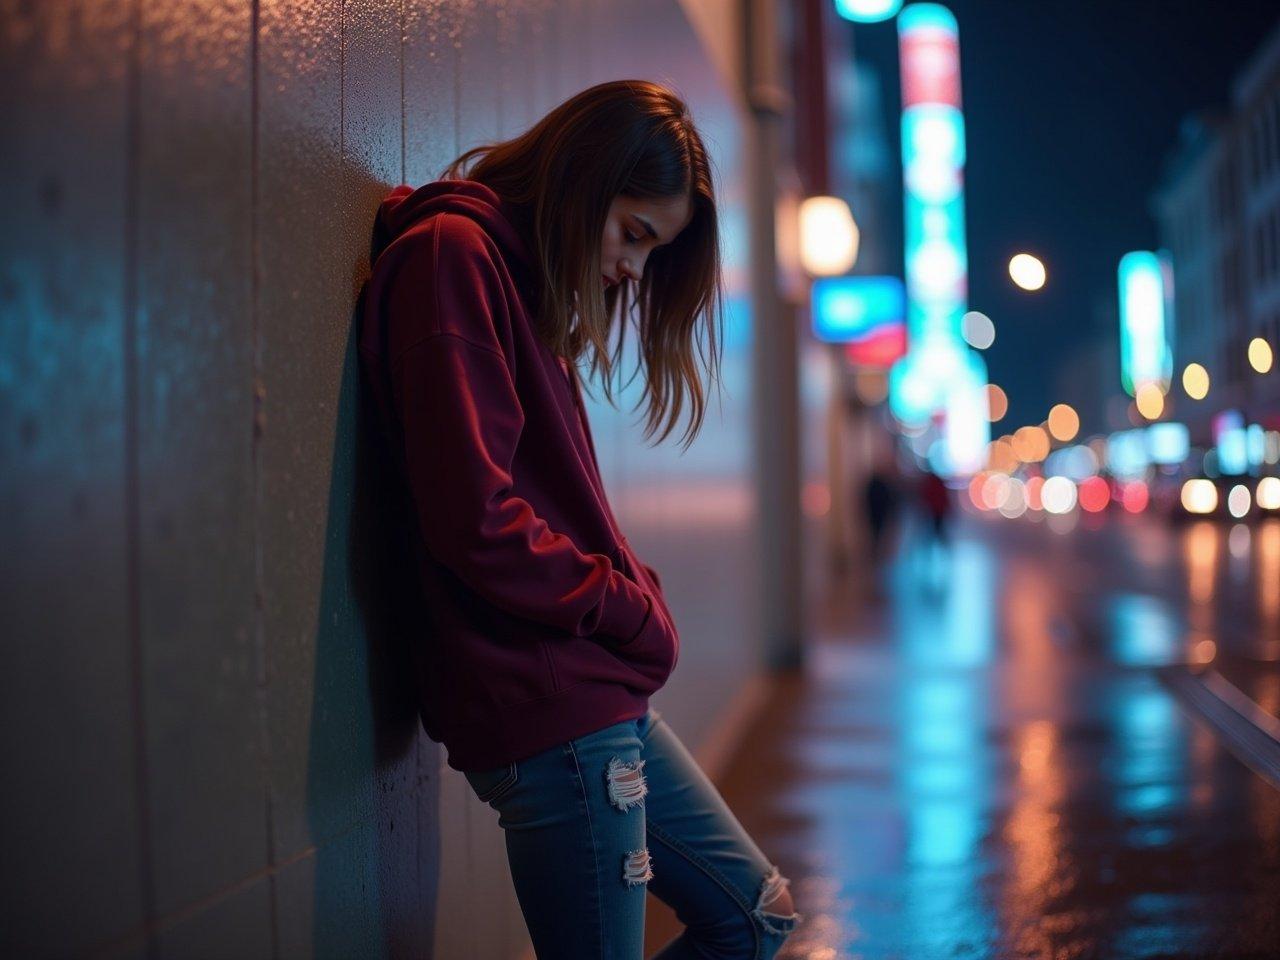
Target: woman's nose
629 271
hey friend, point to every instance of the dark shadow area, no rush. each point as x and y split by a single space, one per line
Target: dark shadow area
373 793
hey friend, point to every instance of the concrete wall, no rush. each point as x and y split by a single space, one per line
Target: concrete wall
207 746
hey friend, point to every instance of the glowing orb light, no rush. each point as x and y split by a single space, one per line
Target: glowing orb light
1064 422
1238 501
978 330
1150 401
1027 271
1195 381
1199 496
1268 496
1058 495
1260 355
868 11
997 402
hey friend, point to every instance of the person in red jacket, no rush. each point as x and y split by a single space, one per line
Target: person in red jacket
546 634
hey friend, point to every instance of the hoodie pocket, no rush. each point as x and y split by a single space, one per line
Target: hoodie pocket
632 566
643 663
512 667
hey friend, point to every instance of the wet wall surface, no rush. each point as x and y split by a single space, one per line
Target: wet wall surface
979 760
211 749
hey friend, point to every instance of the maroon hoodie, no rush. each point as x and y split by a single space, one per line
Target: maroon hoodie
543 625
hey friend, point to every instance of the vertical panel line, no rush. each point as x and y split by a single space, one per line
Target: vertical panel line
256 428
455 43
132 472
342 82
403 112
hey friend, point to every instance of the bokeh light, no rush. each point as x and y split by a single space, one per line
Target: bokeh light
868 11
1195 381
1058 495
1238 541
1000 455
1094 495
1149 401
1027 271
1033 487
1135 496
1199 496
978 330
1075 462
975 489
1260 355
1030 444
1204 651
993 490
997 403
871 386
1064 422
1013 503
1239 501
1268 495
828 236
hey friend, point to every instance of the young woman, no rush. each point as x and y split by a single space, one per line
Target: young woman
547 633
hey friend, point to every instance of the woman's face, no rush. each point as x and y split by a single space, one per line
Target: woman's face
633 228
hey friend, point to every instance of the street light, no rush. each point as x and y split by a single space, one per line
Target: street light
1027 271
1150 401
1064 422
828 237
1195 381
1260 354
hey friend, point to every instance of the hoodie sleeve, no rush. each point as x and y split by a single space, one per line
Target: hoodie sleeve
461 419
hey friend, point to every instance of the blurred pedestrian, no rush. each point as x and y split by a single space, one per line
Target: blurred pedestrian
880 506
549 633
935 499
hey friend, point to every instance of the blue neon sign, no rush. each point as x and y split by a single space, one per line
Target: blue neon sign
847 309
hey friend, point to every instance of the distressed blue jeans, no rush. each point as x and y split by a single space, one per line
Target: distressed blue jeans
594 822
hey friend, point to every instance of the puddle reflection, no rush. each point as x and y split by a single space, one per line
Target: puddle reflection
980 787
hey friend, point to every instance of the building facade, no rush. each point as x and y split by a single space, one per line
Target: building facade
1218 213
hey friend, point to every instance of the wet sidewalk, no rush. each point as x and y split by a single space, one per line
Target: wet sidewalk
980 760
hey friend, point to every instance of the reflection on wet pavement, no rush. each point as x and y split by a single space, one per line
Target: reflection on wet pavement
985 764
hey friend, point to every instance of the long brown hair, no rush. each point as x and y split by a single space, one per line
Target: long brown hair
635 138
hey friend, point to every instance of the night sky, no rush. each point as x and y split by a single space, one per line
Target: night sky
1070 110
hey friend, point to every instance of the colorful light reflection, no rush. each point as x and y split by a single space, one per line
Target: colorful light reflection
1146 355
940 375
868 11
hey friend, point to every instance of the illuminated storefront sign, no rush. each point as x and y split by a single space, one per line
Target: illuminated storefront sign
1168 442
940 376
868 11
1231 441
1146 355
867 314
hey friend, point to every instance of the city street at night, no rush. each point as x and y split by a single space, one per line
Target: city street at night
598 480
989 763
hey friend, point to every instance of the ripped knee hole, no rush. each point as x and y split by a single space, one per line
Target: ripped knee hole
636 867
626 783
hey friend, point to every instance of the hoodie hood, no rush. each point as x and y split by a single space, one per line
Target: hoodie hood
405 206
